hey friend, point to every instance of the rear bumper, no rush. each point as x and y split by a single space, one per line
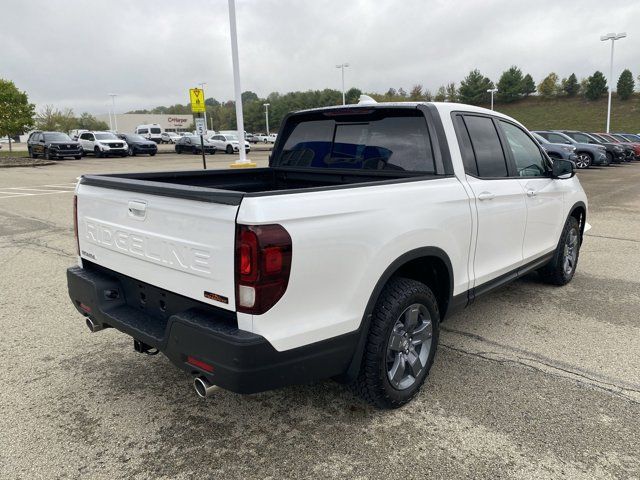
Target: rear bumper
242 362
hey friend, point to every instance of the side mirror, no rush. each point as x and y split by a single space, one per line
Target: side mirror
563 169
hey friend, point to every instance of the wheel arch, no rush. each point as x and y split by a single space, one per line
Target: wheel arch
579 212
428 265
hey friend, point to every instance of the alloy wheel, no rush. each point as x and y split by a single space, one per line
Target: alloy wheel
570 252
408 346
583 160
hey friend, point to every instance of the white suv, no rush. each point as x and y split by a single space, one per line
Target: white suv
228 143
103 144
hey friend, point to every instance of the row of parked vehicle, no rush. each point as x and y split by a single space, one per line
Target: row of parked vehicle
587 149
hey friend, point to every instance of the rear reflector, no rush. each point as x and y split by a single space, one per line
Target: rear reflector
75 223
200 364
85 308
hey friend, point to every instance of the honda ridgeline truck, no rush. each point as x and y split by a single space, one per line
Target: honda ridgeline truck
372 223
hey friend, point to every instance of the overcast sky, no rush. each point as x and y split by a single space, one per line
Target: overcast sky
72 53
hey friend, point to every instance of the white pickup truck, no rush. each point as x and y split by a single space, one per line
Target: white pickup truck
370 225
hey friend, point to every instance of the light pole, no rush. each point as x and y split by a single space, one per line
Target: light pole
202 84
342 67
492 91
243 161
613 37
266 115
113 102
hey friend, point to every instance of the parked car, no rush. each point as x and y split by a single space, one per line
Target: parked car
558 150
271 138
53 145
614 153
151 131
259 278
169 137
228 142
103 144
631 149
192 144
588 154
251 138
630 137
138 144
260 137
74 134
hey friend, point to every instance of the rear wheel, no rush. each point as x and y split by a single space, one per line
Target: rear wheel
584 160
229 149
401 344
562 267
78 157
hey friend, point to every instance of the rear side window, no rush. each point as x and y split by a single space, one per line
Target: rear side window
143 130
388 141
490 158
155 130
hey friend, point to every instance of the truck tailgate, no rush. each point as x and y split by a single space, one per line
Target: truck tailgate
180 245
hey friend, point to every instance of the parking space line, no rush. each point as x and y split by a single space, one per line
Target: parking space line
21 194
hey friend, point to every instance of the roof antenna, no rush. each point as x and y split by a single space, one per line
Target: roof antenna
365 99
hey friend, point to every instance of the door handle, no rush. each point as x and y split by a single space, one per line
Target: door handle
486 196
137 209
531 193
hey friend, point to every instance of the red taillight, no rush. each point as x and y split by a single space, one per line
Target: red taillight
263 265
199 363
75 223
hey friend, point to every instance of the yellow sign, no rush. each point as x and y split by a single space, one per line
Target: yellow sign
197 100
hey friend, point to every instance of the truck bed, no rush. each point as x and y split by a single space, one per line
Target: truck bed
229 186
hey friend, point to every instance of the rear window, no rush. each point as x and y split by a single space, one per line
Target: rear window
381 141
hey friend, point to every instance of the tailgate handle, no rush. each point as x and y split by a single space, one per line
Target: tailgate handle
137 209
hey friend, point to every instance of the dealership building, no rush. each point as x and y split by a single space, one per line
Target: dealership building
127 122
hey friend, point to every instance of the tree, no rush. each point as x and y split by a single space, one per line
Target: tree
528 86
510 85
441 94
16 113
87 121
596 86
247 96
452 92
570 86
626 84
353 95
50 118
416 93
549 86
402 92
428 96
473 89
584 84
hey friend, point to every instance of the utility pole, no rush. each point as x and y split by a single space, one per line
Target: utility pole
342 67
613 37
115 120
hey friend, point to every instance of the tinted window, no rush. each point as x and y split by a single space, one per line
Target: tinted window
156 130
556 138
581 137
106 136
397 141
57 137
466 150
86 136
143 130
486 146
526 154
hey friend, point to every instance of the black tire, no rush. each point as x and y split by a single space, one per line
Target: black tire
152 154
265 140
30 152
47 155
609 159
195 151
97 152
584 160
229 149
78 157
131 152
557 271
373 383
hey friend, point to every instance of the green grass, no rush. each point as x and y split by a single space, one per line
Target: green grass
4 153
575 114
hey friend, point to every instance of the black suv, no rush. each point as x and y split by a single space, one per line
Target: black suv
615 153
138 144
53 145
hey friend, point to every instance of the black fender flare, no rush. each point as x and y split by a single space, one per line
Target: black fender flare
363 330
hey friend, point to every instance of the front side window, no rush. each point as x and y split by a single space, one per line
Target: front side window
143 130
582 138
86 136
379 141
490 159
526 154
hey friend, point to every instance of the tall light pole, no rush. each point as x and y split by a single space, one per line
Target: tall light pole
342 67
202 84
113 102
492 91
613 37
266 115
243 161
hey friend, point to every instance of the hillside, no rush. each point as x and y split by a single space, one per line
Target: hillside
575 114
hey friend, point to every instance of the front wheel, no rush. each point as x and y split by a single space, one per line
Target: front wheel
229 149
562 267
97 152
131 152
401 344
78 157
584 160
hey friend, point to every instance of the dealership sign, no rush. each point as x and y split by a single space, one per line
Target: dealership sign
176 120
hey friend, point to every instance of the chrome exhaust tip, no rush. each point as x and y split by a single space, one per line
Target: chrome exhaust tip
93 327
204 388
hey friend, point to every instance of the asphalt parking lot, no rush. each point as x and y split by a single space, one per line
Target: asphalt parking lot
532 381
